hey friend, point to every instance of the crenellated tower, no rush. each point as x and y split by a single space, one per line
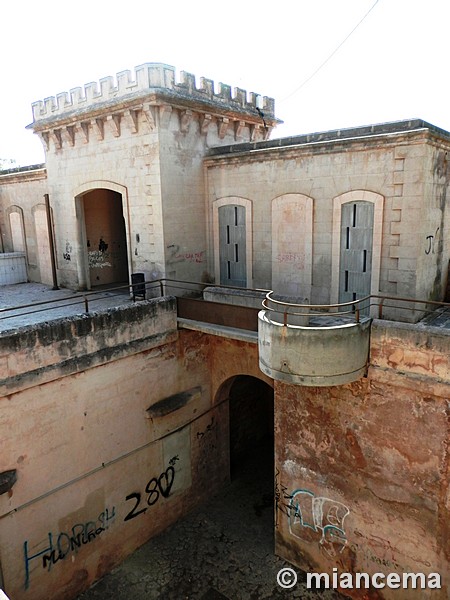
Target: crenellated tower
150 97
125 170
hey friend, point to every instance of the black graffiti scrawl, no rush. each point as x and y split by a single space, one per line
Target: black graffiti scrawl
156 488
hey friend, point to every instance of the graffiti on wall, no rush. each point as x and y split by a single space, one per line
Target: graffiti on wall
316 518
175 255
431 242
156 488
67 254
98 259
292 257
65 543
368 556
282 498
208 437
312 518
101 258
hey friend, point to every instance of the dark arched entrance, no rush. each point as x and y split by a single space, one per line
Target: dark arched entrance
251 422
106 243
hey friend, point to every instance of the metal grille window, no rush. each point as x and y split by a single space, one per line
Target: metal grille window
232 246
355 271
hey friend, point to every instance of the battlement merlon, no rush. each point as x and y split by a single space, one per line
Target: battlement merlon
149 78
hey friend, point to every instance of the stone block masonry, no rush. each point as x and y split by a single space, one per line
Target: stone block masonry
144 136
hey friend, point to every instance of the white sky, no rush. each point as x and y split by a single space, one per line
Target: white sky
394 66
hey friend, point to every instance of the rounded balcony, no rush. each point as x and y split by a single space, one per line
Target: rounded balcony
313 345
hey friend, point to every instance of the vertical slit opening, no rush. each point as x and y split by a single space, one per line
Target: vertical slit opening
346 281
235 215
354 215
347 239
236 253
364 261
229 269
228 234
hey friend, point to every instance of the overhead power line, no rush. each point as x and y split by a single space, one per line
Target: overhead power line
308 79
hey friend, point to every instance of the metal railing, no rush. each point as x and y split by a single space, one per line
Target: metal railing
355 310
82 298
155 288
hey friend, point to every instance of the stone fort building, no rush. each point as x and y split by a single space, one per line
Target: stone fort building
174 181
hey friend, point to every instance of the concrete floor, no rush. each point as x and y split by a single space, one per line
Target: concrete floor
48 304
221 551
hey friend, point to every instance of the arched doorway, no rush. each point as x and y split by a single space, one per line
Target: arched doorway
250 497
251 410
105 235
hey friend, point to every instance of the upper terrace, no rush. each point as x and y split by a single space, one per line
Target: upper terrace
298 343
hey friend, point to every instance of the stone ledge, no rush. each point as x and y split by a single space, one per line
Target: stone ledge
219 330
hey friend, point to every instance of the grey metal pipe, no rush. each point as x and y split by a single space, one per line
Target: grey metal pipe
50 240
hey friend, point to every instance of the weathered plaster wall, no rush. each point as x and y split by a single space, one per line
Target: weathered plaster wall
182 151
97 472
362 469
117 424
22 195
434 252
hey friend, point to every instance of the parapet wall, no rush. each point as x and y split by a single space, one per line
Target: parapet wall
37 354
146 78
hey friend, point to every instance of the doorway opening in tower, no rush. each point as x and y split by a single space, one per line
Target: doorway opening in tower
106 241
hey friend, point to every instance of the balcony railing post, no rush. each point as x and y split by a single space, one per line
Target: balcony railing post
285 317
357 315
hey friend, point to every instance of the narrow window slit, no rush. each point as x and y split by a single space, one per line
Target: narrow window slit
228 234
229 269
354 215
236 253
364 261
346 281
235 215
347 241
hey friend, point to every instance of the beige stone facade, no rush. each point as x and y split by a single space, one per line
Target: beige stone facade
403 174
143 137
114 425
175 156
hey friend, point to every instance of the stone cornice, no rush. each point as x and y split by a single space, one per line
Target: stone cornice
153 83
21 174
71 130
285 147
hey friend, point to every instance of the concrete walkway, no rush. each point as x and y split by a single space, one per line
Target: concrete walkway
48 304
221 551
